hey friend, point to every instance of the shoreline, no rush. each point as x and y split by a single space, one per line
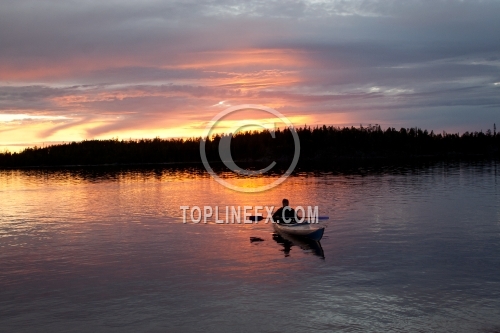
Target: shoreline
309 164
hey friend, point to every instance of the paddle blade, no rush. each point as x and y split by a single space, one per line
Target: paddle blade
256 218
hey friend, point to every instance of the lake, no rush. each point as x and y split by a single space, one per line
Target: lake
406 249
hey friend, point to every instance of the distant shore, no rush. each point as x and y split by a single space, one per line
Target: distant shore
323 146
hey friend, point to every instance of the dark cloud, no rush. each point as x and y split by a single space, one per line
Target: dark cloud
151 60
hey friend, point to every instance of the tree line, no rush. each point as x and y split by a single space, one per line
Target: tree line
318 144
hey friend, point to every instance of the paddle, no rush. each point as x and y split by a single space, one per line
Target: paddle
256 218
260 218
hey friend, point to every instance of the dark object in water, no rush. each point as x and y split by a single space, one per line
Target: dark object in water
256 219
256 239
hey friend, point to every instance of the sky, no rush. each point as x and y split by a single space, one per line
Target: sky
76 70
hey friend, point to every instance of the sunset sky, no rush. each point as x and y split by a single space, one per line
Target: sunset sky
75 70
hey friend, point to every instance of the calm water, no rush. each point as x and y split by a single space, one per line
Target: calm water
405 250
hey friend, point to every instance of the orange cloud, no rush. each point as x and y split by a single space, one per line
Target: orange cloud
270 58
180 107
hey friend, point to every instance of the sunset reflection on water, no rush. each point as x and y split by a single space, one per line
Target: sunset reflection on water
107 247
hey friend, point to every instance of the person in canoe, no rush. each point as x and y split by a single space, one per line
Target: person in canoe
285 214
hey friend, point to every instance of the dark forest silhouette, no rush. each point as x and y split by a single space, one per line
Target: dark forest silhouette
320 144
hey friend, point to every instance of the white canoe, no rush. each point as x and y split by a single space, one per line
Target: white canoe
309 230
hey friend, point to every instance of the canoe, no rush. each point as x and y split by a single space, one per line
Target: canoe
309 230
